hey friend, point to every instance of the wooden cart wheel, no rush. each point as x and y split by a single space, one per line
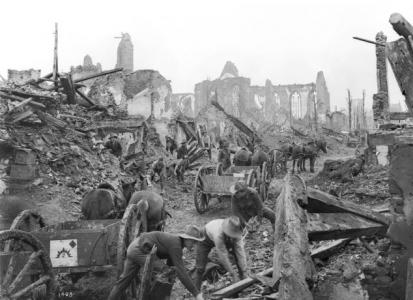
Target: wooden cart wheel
200 198
28 220
26 280
147 275
219 170
264 172
252 179
127 229
127 233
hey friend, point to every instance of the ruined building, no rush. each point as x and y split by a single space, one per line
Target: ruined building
125 53
88 68
291 103
22 77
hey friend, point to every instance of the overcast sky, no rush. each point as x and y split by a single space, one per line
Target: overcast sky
189 41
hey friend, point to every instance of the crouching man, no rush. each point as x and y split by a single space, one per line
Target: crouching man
226 236
169 247
247 204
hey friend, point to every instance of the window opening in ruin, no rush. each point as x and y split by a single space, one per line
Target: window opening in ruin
296 106
277 99
235 101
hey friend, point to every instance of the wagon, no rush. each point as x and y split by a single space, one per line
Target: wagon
261 176
209 184
32 253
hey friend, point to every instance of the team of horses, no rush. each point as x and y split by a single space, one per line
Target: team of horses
277 158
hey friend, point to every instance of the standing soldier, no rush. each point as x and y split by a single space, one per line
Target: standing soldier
226 236
169 246
114 145
224 156
159 168
182 151
206 139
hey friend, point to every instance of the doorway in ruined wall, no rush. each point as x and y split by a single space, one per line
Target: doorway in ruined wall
235 101
296 109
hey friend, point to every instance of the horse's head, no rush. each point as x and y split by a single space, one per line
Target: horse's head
321 145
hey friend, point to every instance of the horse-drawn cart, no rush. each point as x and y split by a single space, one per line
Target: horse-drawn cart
211 183
261 176
31 253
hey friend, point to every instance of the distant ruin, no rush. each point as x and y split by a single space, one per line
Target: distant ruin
125 53
292 103
22 77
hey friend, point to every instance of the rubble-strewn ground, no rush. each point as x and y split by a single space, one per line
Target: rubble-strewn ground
344 273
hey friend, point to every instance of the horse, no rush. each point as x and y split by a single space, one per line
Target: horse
151 211
259 157
107 202
242 157
310 151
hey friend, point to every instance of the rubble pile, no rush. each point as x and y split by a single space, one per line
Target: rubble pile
63 136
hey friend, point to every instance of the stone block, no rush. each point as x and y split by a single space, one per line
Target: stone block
24 172
24 157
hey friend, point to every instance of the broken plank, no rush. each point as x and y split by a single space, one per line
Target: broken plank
332 226
20 116
326 249
322 202
20 99
239 286
26 94
50 120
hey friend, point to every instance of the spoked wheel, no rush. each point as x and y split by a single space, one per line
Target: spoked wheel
26 270
264 180
146 275
28 220
127 233
219 170
252 179
200 198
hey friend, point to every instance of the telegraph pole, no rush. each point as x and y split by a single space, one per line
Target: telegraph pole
349 110
55 58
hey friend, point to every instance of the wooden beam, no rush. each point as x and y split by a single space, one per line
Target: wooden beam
322 202
55 58
323 251
332 226
399 53
81 94
409 280
19 116
67 84
401 25
26 94
20 99
98 75
292 262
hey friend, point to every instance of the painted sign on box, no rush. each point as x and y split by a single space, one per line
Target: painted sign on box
63 253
